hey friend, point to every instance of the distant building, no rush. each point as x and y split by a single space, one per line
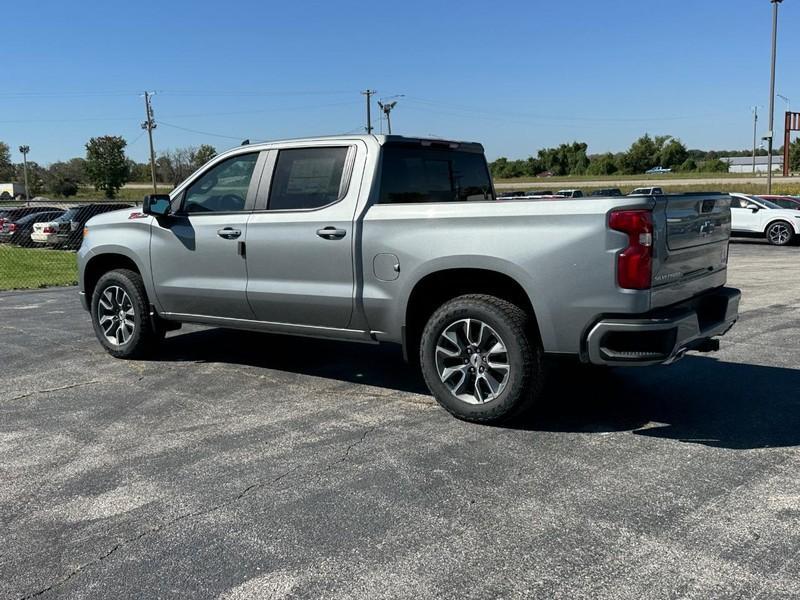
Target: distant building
11 190
744 164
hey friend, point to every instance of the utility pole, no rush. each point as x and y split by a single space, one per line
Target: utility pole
387 108
368 93
149 125
755 128
24 150
770 134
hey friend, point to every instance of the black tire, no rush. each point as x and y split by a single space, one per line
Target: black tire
773 233
523 355
144 336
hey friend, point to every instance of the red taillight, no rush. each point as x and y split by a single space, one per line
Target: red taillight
48 229
11 227
634 263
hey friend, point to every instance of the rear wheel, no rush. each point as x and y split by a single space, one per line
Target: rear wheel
121 315
779 233
480 360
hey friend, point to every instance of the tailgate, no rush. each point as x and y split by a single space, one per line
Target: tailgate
691 247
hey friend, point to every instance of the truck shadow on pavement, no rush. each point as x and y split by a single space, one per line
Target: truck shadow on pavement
698 400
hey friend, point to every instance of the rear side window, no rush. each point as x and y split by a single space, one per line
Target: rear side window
412 174
307 178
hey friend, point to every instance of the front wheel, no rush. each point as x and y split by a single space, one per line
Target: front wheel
779 233
480 358
121 315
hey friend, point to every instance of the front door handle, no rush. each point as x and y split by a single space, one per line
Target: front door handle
331 233
229 233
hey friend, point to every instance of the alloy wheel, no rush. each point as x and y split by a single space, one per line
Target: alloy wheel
115 314
779 234
472 361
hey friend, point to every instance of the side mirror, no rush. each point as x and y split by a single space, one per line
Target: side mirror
157 205
755 208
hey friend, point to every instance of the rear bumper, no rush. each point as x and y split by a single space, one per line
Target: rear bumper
664 335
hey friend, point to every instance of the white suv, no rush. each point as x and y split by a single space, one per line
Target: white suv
755 216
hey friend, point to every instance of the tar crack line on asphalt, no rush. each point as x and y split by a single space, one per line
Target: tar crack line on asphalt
55 389
198 513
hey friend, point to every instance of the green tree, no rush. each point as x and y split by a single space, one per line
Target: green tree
605 164
794 156
641 156
106 165
714 165
566 159
204 154
6 168
672 154
688 165
37 176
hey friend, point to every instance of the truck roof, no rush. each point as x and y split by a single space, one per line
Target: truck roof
380 139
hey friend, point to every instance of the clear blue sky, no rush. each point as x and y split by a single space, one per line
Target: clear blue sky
516 76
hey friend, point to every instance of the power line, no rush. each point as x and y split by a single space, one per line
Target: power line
543 117
190 115
219 135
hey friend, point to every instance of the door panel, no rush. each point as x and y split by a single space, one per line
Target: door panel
195 271
196 255
744 219
300 262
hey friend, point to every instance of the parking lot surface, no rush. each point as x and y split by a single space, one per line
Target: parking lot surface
238 465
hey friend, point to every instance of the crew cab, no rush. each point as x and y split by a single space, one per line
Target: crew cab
389 239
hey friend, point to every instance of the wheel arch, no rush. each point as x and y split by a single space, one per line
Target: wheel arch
795 225
437 287
99 264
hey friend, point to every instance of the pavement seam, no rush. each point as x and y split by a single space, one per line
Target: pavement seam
55 389
198 513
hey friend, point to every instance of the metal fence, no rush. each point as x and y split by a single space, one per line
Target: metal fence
39 238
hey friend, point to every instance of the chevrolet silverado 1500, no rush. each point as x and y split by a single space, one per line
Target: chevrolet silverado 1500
403 240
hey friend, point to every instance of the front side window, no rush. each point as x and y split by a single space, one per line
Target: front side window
307 178
412 174
223 188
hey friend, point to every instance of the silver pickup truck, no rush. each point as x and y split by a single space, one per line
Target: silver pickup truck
403 240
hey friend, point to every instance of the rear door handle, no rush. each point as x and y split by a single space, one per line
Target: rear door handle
229 233
331 233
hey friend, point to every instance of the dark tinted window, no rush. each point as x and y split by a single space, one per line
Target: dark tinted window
223 188
38 217
307 178
419 174
69 215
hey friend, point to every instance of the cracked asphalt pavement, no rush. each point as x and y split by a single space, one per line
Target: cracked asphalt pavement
239 465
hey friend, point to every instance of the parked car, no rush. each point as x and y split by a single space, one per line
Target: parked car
19 231
790 202
12 214
67 230
609 192
647 191
754 216
569 193
370 238
658 171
